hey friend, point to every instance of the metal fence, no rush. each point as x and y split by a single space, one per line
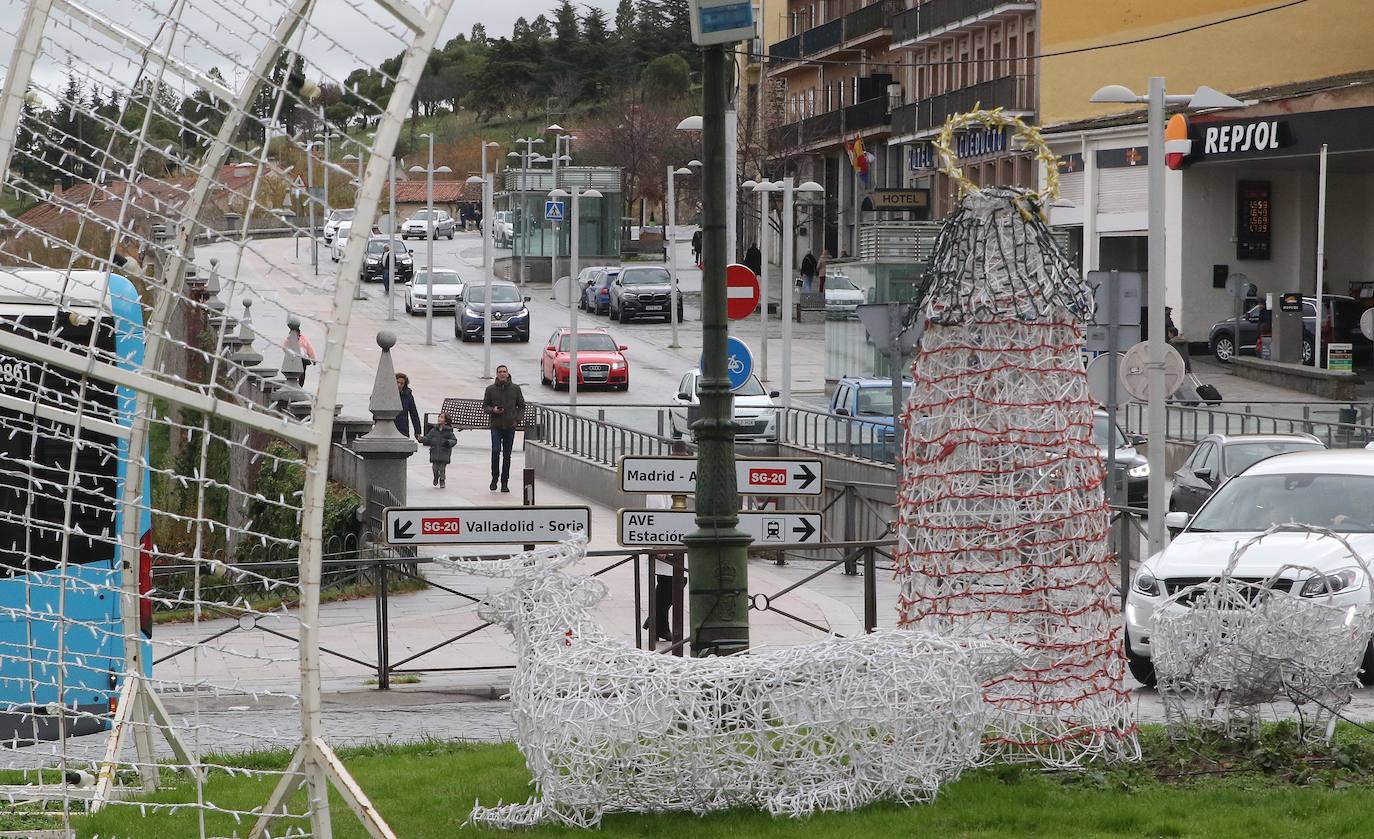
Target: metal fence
1338 425
849 436
599 440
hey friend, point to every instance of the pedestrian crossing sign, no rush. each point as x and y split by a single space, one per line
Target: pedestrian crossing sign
553 211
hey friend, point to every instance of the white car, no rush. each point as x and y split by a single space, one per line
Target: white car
447 291
420 225
1332 489
504 230
842 297
332 222
341 233
756 414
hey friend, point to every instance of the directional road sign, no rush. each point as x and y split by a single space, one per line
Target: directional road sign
553 211
741 292
739 362
484 525
666 528
755 476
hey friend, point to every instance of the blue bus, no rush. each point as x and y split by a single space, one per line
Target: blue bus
61 629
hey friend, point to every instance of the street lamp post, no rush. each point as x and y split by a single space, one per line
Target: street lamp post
559 156
430 231
673 294
763 187
574 194
310 202
789 226
520 215
1156 100
488 189
358 293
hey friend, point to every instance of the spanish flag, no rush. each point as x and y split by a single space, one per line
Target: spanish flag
858 158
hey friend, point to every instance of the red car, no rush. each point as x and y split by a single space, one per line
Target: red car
600 360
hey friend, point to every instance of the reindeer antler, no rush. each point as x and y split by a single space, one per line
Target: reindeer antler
537 562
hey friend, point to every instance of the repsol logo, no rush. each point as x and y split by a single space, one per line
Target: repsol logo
1242 137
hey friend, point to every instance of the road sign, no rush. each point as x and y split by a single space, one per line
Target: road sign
739 362
553 211
721 21
755 476
484 525
666 528
741 292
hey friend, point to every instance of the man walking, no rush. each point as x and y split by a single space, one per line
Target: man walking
505 405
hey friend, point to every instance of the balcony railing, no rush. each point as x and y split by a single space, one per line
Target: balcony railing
822 126
831 125
784 51
904 119
1013 93
823 37
906 25
867 114
870 18
935 15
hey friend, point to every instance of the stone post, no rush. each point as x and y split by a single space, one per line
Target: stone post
384 450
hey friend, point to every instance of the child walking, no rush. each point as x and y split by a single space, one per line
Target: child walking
441 440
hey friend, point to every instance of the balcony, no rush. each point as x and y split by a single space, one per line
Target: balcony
869 114
823 37
1012 93
784 51
871 19
831 126
938 16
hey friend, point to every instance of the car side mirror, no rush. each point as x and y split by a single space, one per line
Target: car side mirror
528 299
623 348
1203 474
684 397
551 348
1177 520
1137 439
841 412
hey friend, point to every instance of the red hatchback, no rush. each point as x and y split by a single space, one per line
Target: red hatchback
600 360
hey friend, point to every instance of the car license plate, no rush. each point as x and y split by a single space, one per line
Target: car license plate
653 308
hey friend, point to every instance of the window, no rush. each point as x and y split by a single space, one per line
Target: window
1255 502
1011 55
840 399
499 294
1242 456
1209 461
644 276
685 386
593 341
877 401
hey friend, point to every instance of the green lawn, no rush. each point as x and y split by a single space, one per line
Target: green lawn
1247 790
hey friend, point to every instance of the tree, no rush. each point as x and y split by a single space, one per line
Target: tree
479 34
642 139
666 77
541 28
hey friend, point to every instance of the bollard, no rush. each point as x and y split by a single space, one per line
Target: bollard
383 639
527 493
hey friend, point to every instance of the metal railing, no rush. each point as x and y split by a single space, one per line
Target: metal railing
785 50
1188 424
1012 93
939 14
822 126
869 19
867 114
597 439
870 439
906 25
823 37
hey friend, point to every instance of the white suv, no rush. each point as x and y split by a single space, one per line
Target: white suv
331 224
756 414
1331 489
421 225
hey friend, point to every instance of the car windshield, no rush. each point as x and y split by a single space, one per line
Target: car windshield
424 214
753 387
877 401
446 277
499 294
376 245
343 215
1101 433
595 341
1241 456
839 282
1344 503
645 276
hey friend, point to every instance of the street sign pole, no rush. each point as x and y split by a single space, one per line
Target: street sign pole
718 569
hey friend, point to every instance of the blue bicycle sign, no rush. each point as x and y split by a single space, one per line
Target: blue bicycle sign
739 363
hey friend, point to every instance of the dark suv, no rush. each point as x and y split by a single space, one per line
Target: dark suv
1340 324
643 291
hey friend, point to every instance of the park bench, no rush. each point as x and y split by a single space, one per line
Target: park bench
466 414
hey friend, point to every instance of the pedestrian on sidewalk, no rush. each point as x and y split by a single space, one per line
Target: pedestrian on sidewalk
505 405
663 577
753 259
409 415
820 269
304 349
807 281
696 248
441 440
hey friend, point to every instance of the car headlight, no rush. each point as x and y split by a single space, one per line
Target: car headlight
1346 578
371 261
471 313
617 365
1145 583
520 315
1141 471
629 296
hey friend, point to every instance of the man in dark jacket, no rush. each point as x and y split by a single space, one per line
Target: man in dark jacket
696 247
505 404
753 259
409 415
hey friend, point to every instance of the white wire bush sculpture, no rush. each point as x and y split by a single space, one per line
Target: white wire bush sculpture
143 421
1225 648
1002 524
833 725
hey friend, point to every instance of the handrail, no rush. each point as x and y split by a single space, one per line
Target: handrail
1190 423
595 439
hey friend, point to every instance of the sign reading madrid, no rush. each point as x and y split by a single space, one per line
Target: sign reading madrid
484 525
658 528
754 476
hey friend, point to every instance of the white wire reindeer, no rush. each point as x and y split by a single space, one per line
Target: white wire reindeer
833 725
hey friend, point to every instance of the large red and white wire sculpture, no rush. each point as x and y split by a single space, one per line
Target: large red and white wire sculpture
1003 528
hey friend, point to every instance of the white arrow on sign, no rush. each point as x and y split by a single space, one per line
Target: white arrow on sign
753 476
666 528
484 525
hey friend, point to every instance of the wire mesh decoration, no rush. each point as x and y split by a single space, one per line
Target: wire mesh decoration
1002 524
159 167
833 725
1226 648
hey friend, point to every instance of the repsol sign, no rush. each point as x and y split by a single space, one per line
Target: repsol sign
1288 135
1241 137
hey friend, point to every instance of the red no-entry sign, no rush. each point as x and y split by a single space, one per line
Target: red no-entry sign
741 292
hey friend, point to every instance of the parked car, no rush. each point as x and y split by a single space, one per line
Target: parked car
374 262
642 291
447 290
584 281
1132 467
1346 328
842 297
341 235
596 297
1219 456
510 317
1333 489
861 411
421 225
756 414
504 230
332 222
600 360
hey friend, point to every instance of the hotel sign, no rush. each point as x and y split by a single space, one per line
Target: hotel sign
976 142
891 200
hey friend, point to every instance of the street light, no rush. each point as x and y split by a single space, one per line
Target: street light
358 293
695 123
673 293
524 156
390 269
430 230
808 189
1156 100
487 188
573 370
559 156
763 187
310 203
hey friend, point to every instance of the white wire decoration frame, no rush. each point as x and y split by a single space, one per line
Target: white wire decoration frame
833 725
1002 524
1226 648
141 199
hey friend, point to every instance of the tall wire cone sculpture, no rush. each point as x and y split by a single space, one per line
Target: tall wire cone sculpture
1003 527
